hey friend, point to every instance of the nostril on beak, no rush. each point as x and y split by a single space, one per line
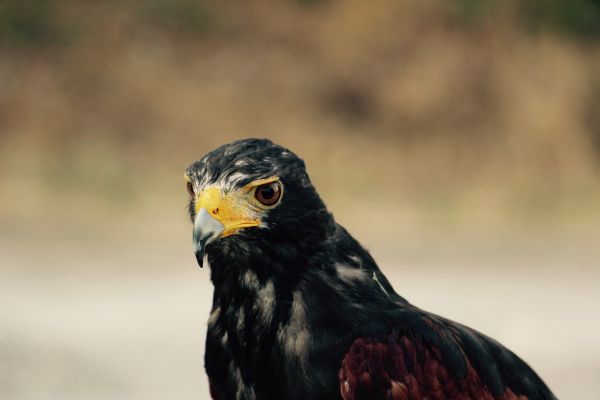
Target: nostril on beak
206 230
215 211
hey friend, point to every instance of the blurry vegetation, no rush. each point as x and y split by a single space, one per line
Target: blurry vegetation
592 118
579 17
446 107
189 17
27 23
35 23
571 17
472 11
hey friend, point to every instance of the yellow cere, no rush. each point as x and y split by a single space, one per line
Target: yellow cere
236 209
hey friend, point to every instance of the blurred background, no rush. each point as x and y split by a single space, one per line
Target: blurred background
458 140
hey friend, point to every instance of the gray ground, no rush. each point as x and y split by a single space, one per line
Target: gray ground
78 323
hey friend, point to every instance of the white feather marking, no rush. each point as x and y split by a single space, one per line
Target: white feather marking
346 388
263 225
214 316
294 336
241 320
228 181
379 283
265 299
250 280
242 392
356 259
350 274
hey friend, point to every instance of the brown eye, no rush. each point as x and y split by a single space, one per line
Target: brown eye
190 188
269 193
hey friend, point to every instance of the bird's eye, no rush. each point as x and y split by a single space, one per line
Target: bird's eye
269 193
190 188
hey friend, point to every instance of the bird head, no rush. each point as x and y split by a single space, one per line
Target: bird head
248 191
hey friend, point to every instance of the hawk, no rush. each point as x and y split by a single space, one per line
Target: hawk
302 311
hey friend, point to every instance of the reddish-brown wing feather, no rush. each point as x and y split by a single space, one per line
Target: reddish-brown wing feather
402 369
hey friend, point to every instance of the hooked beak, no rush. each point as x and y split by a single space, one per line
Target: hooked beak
220 214
206 230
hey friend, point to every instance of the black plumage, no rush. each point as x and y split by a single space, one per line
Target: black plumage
302 311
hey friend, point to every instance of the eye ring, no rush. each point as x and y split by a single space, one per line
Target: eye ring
269 194
190 189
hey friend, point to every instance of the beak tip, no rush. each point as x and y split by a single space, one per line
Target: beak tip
206 230
200 258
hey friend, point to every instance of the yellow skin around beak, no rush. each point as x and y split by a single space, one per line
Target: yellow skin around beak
236 209
231 209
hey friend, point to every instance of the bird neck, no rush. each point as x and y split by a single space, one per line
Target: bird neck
251 271
268 312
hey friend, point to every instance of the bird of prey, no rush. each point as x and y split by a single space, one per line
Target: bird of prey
302 311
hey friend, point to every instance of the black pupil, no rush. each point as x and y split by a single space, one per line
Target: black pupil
268 192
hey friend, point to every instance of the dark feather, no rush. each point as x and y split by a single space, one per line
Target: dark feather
301 310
